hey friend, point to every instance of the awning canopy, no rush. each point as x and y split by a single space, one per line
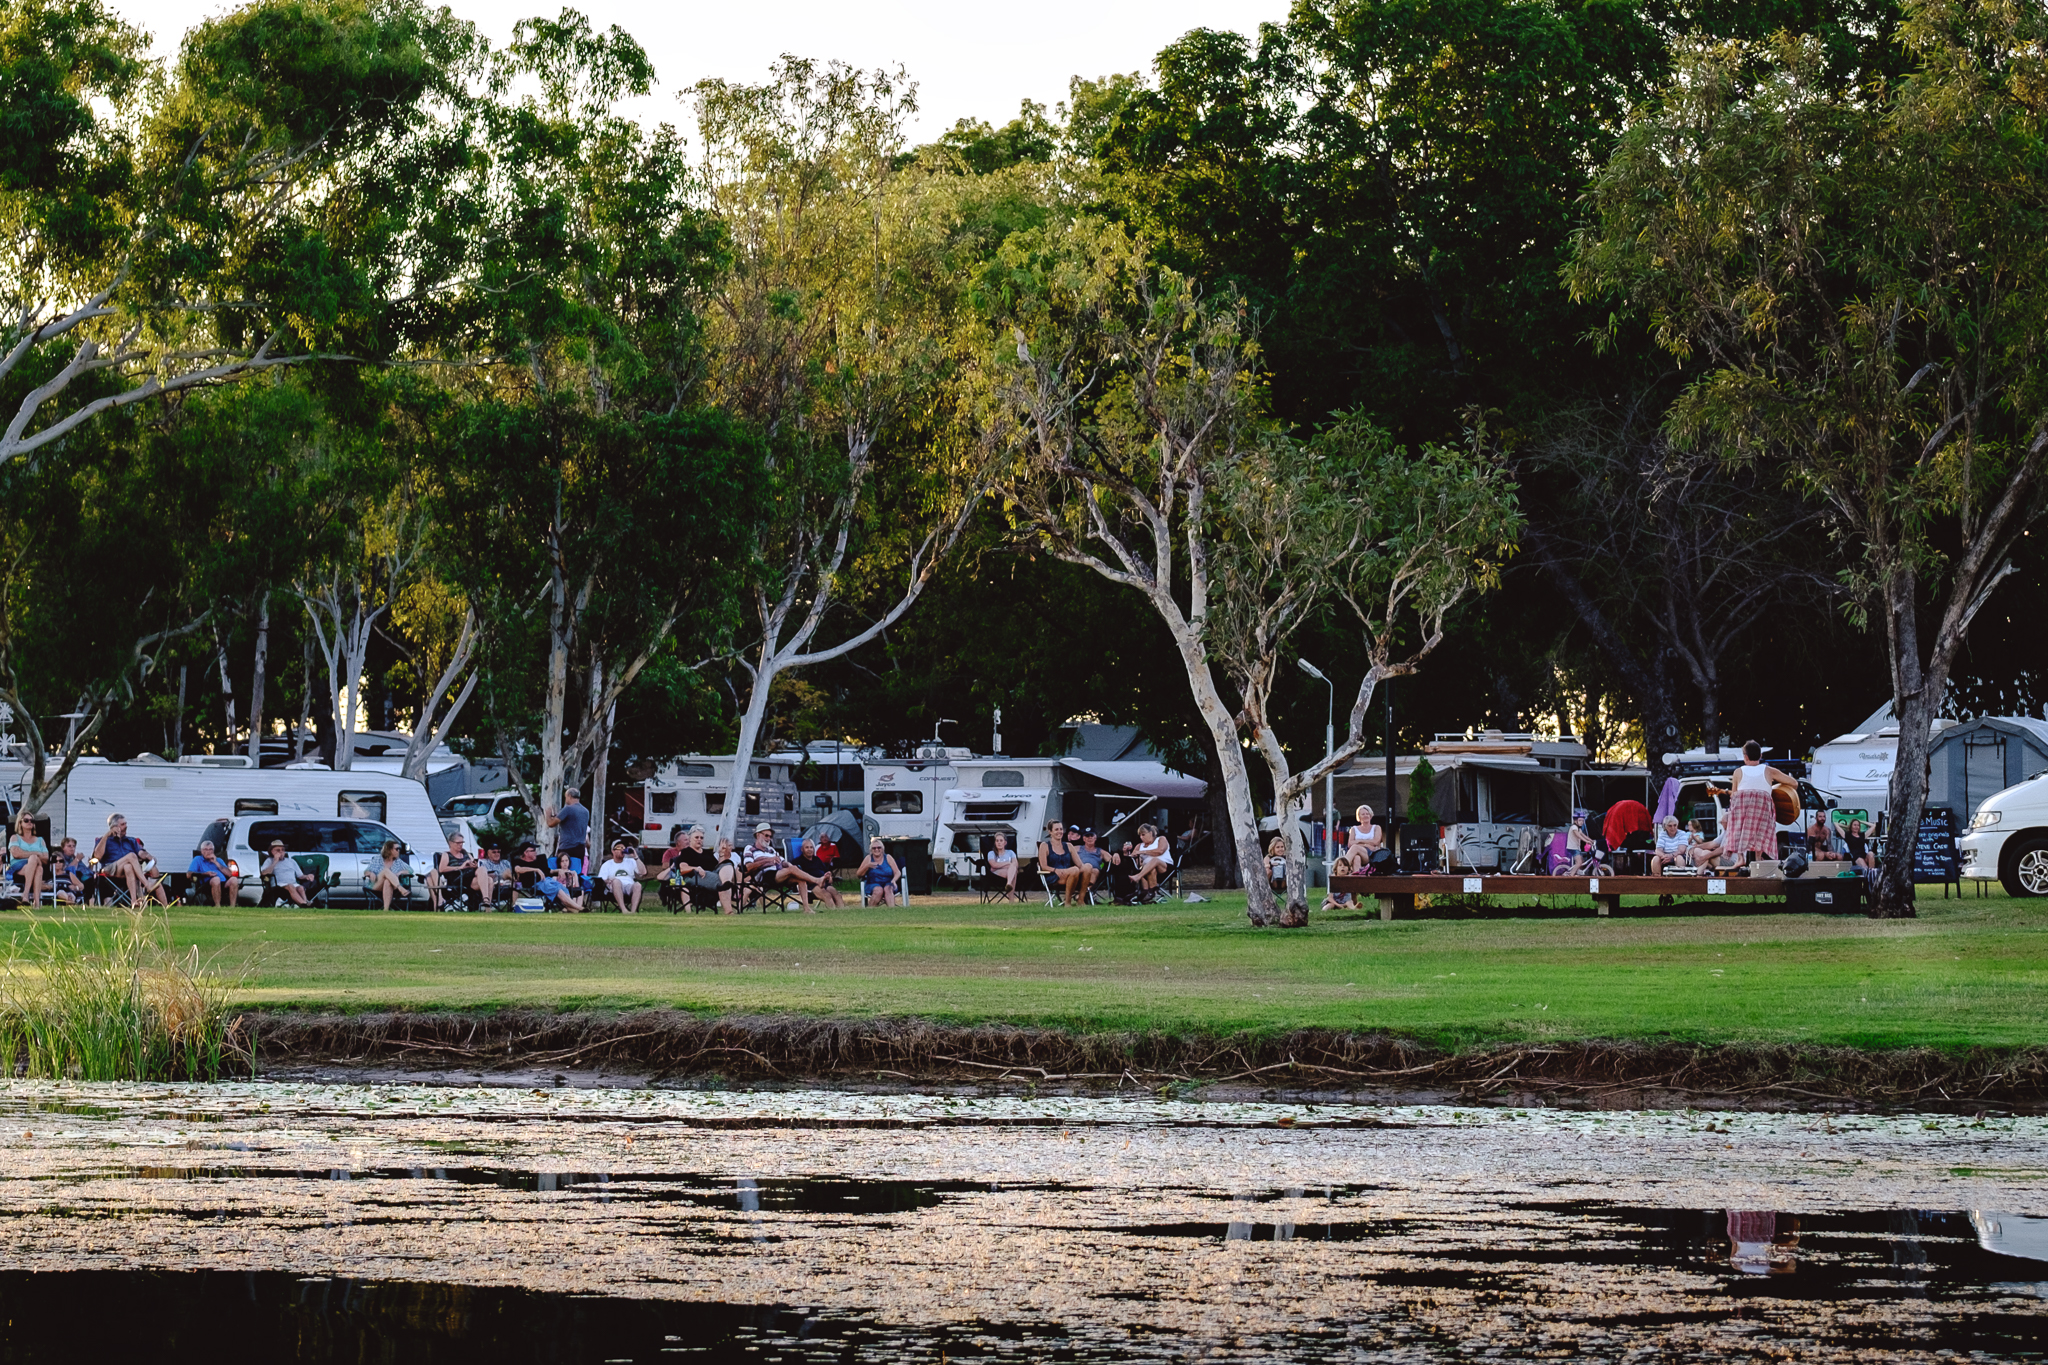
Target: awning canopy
1152 779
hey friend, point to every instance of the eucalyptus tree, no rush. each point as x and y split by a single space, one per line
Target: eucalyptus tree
166 228
836 333
1859 279
586 501
1127 436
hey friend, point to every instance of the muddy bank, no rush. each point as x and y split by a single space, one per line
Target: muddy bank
652 1047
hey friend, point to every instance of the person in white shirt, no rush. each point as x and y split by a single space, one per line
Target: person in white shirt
621 874
1002 864
1155 859
766 867
284 876
1674 847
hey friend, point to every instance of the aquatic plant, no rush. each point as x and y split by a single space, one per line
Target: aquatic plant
114 1001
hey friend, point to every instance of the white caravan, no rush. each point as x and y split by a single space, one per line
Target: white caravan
903 794
1018 797
691 791
1856 768
168 805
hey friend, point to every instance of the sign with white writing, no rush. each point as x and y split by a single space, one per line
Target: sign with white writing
1472 885
1716 886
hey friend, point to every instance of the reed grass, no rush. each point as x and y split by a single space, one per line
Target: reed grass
115 1001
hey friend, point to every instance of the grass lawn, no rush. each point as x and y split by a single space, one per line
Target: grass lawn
1967 971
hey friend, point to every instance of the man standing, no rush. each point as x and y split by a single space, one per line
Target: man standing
573 823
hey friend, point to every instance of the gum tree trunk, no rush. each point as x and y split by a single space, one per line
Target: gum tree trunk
262 666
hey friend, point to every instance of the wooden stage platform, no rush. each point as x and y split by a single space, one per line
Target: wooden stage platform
1825 895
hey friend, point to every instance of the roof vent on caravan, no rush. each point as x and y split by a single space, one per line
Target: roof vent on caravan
209 760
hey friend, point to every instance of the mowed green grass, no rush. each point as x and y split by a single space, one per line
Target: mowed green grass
1969 971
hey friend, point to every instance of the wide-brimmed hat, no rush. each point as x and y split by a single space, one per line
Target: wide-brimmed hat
764 828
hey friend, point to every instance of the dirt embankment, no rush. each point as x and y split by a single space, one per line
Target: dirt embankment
659 1045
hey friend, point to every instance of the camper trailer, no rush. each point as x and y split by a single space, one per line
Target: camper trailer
1499 795
169 804
1856 768
1019 797
691 791
902 794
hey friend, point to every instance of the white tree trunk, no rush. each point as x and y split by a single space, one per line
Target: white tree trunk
262 666
743 750
554 719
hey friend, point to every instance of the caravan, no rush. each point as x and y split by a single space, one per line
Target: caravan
1019 797
170 805
691 791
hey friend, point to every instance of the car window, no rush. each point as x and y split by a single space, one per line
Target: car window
297 837
371 839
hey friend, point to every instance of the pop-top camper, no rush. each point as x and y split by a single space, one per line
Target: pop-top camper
691 791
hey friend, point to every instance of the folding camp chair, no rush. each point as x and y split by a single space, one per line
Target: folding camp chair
758 895
994 888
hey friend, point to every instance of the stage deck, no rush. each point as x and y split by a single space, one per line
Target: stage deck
1399 893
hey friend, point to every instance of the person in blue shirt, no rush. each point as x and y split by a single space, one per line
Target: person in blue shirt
120 858
213 874
573 823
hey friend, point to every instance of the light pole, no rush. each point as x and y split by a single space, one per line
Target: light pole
1329 747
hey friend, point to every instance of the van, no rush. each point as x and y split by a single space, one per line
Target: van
353 849
2008 838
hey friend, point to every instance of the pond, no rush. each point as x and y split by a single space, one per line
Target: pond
312 1222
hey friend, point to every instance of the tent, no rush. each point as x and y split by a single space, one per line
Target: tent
1971 761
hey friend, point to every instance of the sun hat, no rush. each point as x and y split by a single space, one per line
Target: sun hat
764 828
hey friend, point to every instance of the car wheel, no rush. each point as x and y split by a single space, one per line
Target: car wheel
2027 868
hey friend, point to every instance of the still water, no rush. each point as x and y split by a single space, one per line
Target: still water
413 1223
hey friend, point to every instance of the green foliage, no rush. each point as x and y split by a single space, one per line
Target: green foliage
1422 793
115 1001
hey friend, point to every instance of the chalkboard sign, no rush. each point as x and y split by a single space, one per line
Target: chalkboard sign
1934 847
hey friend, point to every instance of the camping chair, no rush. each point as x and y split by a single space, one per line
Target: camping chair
1527 859
994 889
102 889
314 865
757 894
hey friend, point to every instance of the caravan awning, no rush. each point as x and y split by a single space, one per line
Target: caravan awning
1152 779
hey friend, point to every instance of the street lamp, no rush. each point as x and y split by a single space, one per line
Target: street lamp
1329 748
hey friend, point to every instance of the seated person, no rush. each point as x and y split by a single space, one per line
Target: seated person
1002 864
1822 842
766 867
120 858
284 879
816 874
732 869
1155 859
1094 861
1365 850
1056 860
877 873
1704 850
621 874
553 891
528 867
1674 847
210 871
1276 866
493 877
695 868
28 859
1857 845
387 878
69 873
453 871
828 848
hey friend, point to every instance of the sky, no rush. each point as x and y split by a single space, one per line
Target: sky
969 60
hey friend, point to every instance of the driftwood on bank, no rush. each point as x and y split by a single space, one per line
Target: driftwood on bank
668 1044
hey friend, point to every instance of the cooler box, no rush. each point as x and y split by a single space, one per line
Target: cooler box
1836 895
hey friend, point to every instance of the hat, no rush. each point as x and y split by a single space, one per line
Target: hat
1086 832
764 828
